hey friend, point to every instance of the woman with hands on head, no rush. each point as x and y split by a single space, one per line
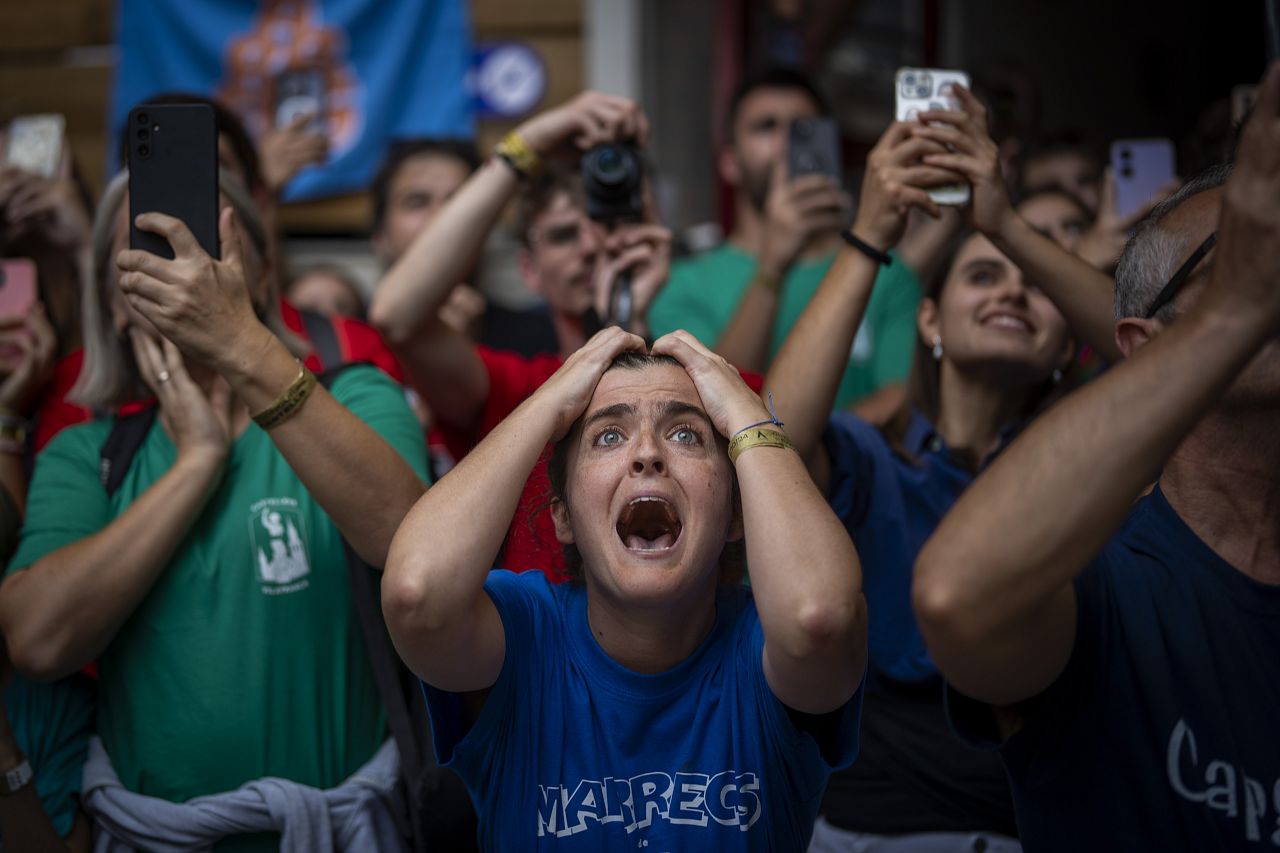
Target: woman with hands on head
654 700
988 346
211 585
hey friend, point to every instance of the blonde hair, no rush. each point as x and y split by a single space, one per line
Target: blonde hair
109 376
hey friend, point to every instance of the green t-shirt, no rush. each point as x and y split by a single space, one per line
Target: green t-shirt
704 291
245 658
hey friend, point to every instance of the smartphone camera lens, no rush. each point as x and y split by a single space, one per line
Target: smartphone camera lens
1126 172
143 118
144 134
144 150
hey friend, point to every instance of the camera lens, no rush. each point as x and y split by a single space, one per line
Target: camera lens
1126 172
143 118
143 133
1126 154
144 150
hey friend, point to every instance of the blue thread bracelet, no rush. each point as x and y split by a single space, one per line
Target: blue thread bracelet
773 419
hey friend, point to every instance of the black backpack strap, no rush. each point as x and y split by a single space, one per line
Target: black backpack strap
323 337
122 443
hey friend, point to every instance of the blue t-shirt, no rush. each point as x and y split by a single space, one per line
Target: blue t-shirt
1163 731
913 775
573 752
891 505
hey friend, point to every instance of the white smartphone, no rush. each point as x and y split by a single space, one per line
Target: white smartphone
35 143
1140 168
920 89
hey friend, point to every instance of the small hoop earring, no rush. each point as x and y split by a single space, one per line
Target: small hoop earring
937 348
1057 376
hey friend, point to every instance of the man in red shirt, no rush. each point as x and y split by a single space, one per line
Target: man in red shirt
567 258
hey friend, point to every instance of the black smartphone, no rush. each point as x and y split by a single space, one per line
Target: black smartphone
173 169
813 146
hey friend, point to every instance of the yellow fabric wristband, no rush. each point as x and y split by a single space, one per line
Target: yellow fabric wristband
289 402
757 437
518 154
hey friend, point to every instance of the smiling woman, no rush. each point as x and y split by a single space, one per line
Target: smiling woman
653 699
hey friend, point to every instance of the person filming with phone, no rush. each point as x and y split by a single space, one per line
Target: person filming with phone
209 580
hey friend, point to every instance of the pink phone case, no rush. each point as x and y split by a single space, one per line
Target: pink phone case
17 287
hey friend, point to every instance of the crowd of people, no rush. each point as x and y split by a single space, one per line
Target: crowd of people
885 525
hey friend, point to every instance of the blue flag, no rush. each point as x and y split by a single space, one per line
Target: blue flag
369 71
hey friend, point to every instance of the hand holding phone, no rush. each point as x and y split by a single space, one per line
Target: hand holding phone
919 90
813 148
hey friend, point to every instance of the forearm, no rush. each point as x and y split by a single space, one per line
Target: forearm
1008 551
63 611
440 257
1082 293
804 570
806 373
359 480
443 366
448 543
745 342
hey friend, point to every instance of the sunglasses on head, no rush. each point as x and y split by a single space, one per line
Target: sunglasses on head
1179 278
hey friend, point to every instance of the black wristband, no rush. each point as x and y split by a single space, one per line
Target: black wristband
882 258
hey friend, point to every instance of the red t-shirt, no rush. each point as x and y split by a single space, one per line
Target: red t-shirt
531 540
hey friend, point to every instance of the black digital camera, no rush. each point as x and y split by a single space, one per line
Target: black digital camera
612 177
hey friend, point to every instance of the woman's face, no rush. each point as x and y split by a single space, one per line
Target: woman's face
649 495
992 322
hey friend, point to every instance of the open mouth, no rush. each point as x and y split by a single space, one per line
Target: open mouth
649 524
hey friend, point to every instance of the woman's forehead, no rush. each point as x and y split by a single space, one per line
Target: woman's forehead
658 383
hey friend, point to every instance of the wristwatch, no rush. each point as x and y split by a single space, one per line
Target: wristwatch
17 778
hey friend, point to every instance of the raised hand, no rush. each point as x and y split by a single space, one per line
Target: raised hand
287 150
1103 243
892 185
973 154
51 206
569 389
730 404
1248 251
643 249
587 120
200 304
796 211
198 423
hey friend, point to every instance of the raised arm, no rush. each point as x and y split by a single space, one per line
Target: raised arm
443 624
203 307
805 574
993 587
62 611
806 373
796 211
441 363
1082 293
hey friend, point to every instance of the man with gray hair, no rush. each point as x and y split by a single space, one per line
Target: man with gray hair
1125 657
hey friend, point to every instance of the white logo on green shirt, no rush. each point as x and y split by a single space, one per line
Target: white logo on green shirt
276 532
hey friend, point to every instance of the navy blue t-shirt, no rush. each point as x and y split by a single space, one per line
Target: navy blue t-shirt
1163 731
891 505
573 752
913 774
